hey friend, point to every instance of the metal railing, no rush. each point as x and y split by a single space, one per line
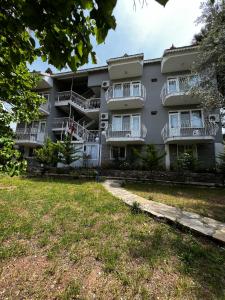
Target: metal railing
68 125
31 135
127 90
126 133
179 85
46 107
188 130
83 103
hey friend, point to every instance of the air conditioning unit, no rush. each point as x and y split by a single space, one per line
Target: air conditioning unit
105 84
128 135
104 125
214 118
104 116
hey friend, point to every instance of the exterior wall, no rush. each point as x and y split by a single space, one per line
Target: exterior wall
154 115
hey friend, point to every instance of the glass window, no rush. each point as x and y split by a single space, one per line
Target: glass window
136 89
42 127
126 123
185 119
117 123
118 90
196 119
118 153
172 85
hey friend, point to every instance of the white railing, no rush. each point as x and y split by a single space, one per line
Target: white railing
31 135
178 86
46 107
83 103
80 132
188 130
126 133
128 90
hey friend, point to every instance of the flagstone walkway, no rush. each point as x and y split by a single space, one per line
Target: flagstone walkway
206 226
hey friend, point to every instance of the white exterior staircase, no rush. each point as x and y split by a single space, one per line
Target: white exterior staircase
81 133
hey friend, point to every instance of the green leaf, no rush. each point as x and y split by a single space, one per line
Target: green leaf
80 48
162 2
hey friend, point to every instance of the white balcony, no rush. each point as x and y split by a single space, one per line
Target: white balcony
127 95
177 91
126 66
188 133
126 136
31 138
178 59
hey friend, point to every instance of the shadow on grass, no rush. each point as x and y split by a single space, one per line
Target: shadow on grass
202 261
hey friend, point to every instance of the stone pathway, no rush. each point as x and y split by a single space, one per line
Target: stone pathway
206 226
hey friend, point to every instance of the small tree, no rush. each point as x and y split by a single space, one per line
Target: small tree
187 161
49 153
221 165
69 154
150 157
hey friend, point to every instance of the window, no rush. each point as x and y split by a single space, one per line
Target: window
154 80
130 123
118 90
42 127
127 89
192 149
186 119
172 85
117 153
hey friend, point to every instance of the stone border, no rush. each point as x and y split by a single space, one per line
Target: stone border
205 226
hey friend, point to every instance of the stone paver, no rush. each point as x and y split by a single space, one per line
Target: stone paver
206 226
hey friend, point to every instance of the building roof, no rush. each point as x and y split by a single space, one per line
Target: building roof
124 57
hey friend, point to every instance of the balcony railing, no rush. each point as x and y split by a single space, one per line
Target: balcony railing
189 131
127 90
126 133
179 85
80 101
30 135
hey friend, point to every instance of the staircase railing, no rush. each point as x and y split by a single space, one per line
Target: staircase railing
76 129
83 103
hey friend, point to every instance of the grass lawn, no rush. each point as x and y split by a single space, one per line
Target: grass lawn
73 240
208 202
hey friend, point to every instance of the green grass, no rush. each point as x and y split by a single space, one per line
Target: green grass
73 240
208 202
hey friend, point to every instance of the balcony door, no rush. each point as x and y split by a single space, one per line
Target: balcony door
172 85
174 124
41 131
135 126
127 123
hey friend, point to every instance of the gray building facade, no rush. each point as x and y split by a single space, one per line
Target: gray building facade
126 104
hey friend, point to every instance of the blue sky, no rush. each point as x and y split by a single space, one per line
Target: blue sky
150 30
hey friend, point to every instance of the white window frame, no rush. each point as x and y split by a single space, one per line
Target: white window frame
131 87
130 115
120 158
176 78
187 110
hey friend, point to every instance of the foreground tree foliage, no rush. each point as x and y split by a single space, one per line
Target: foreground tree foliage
59 32
68 153
211 60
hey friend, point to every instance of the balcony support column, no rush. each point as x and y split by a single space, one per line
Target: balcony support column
167 157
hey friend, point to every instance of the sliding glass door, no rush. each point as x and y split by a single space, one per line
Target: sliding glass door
127 123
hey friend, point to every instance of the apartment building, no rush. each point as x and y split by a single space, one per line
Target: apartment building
127 103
